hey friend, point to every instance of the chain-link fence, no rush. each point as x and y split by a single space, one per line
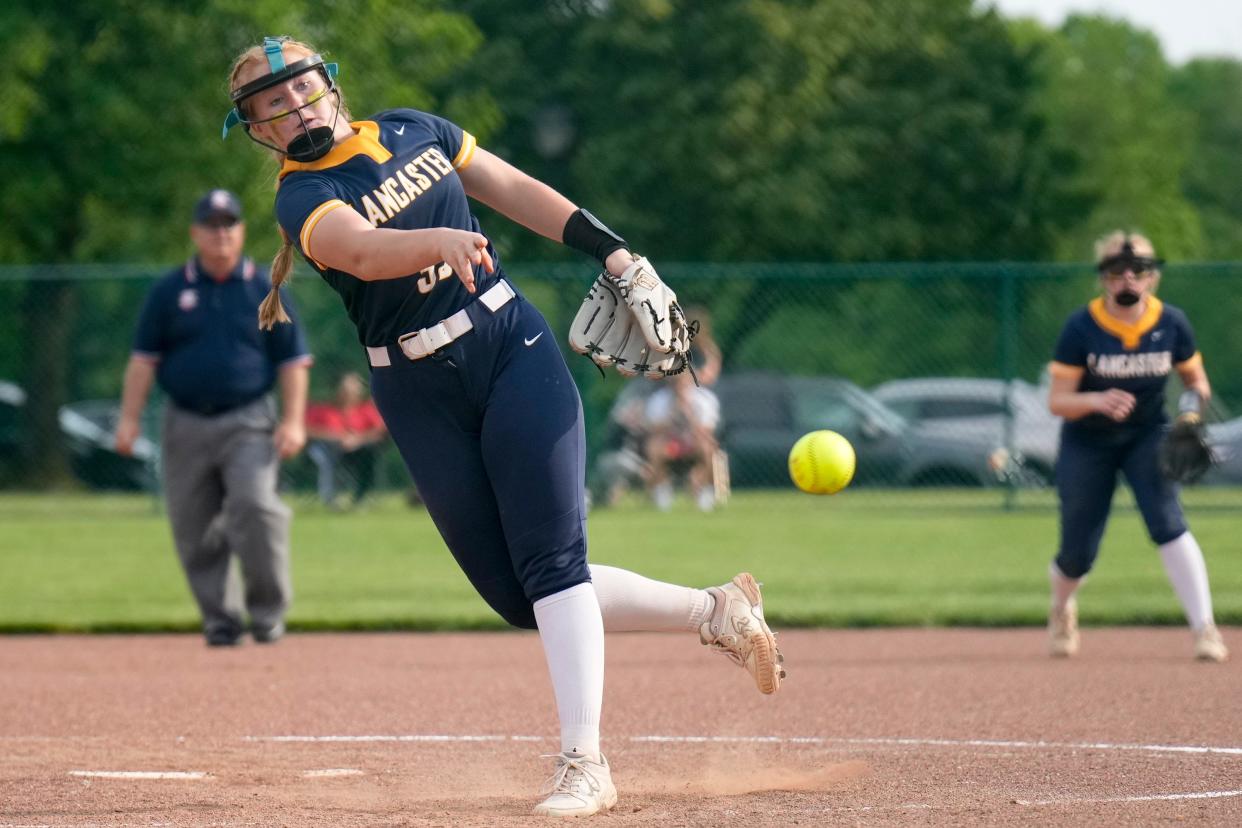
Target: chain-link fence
935 372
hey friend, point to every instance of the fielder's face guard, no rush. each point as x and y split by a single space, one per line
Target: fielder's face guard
314 142
1126 259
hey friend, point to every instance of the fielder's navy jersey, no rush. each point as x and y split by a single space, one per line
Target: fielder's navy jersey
1103 352
400 172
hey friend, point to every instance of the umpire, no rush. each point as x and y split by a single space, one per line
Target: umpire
198 335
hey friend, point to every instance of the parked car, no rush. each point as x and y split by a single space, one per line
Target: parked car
1011 414
89 428
765 413
12 446
1226 441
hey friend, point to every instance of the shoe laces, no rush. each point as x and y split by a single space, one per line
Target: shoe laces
728 652
570 776
735 628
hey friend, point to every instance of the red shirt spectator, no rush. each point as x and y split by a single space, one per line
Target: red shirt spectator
360 418
345 434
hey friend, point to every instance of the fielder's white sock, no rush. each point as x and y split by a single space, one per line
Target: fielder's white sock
1183 561
572 633
631 603
1063 587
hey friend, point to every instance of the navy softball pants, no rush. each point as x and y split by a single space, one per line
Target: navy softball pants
1086 477
491 429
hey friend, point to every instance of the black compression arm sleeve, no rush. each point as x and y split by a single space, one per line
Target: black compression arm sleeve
587 234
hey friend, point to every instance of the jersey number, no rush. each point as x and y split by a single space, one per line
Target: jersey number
429 277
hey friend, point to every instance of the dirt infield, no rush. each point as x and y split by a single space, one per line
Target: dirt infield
897 727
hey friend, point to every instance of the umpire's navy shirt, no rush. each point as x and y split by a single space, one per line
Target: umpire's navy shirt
204 337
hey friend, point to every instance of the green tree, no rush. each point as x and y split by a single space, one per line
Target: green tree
756 130
1208 91
1105 96
112 131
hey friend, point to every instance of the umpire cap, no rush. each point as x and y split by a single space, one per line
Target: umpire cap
217 203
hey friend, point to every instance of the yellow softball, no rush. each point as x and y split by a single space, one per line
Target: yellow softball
821 462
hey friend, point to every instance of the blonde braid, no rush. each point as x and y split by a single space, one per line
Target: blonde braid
271 310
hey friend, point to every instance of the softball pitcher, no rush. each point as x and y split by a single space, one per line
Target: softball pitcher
470 381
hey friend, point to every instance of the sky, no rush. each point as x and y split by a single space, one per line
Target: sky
1187 29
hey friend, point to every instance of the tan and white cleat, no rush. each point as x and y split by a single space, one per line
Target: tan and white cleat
1063 631
578 787
1209 646
737 630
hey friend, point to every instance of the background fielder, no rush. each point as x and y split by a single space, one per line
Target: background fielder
1109 371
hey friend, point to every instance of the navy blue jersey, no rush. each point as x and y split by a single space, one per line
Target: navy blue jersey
205 339
1103 352
399 171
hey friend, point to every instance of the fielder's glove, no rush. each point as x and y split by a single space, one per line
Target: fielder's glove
1185 455
634 323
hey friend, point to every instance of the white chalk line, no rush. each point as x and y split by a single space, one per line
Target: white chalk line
781 740
1145 798
910 742
406 737
329 772
115 774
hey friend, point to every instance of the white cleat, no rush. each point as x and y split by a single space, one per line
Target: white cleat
738 631
1063 631
1209 646
578 787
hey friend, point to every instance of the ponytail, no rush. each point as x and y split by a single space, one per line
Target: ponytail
271 310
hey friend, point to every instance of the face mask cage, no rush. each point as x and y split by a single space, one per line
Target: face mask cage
1126 259
313 142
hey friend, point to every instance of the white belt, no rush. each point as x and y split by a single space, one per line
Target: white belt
421 343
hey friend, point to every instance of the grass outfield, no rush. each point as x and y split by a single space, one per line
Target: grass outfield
863 558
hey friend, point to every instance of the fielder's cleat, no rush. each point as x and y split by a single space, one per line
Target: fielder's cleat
1063 631
1209 646
578 787
737 631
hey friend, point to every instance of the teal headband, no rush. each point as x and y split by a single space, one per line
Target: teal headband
275 57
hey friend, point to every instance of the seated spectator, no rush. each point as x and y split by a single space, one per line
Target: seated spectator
345 435
681 422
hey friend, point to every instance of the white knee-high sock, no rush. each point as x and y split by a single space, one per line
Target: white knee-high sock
1063 587
572 633
631 603
1183 561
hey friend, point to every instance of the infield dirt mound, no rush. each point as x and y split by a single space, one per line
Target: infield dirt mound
890 727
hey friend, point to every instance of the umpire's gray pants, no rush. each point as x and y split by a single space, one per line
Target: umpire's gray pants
220 477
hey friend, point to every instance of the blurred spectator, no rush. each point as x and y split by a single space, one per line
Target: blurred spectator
345 435
681 421
706 351
680 424
198 337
